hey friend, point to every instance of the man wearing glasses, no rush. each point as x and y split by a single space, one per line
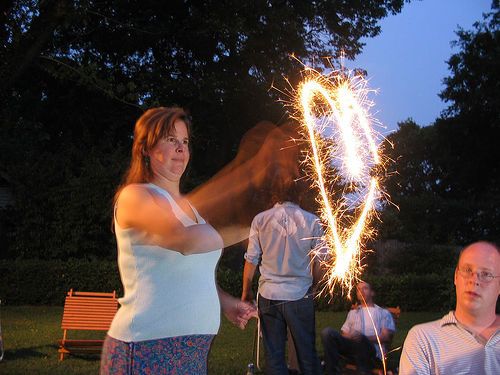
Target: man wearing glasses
466 341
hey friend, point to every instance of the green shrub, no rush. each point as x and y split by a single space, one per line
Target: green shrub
37 282
40 282
412 292
395 257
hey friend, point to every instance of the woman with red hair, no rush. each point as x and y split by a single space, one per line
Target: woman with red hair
167 256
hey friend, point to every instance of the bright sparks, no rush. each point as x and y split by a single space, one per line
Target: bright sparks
343 160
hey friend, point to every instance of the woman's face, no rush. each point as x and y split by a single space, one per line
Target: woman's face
170 156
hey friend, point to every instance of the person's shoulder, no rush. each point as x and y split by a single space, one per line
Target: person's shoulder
384 310
424 335
136 188
131 201
264 213
385 313
425 329
311 217
304 211
134 193
259 218
354 311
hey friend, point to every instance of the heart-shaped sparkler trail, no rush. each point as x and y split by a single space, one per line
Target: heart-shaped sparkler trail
337 125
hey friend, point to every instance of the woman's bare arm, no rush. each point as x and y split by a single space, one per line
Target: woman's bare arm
138 208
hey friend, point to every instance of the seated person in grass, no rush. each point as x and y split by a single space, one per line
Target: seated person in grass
357 340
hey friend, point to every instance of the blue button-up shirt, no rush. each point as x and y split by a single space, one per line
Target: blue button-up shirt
281 240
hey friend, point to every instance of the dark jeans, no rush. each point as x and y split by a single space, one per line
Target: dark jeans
275 316
361 352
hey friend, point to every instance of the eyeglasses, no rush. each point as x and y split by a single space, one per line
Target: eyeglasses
482 276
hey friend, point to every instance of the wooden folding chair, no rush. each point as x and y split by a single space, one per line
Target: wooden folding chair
88 311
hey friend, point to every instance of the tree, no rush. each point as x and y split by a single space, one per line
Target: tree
470 128
76 74
445 178
413 184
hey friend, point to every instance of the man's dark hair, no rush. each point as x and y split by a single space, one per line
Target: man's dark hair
284 187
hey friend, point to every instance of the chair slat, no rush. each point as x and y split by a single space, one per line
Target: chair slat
89 311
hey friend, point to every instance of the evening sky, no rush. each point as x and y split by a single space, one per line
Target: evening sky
406 63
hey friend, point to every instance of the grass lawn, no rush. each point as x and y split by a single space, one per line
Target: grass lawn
30 335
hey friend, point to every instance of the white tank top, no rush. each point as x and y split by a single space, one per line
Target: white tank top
166 294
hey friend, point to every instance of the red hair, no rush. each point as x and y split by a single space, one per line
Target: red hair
154 125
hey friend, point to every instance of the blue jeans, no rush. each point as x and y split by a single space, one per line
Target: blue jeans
361 352
275 316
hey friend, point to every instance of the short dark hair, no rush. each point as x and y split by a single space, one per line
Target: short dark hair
284 187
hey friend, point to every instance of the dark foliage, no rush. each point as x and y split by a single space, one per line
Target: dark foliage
76 74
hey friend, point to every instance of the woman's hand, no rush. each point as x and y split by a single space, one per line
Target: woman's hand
241 313
236 311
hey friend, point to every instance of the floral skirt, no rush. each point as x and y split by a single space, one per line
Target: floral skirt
173 355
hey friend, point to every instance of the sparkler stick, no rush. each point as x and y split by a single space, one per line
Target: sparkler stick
379 343
334 115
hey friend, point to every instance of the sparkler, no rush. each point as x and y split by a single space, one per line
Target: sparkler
334 114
